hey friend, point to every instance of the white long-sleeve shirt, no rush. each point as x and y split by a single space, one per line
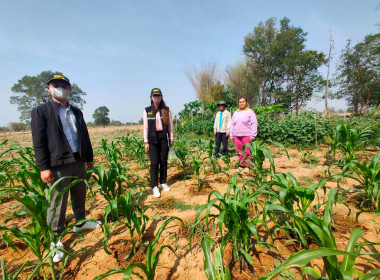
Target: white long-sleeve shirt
158 125
223 127
68 120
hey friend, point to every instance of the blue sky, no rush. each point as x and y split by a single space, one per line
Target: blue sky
117 51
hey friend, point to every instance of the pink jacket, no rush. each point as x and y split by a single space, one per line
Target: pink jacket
243 123
158 125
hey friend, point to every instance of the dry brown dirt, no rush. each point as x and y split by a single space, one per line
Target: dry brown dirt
186 263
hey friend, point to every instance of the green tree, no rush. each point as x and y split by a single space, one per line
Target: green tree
359 74
302 79
101 116
260 47
284 70
30 92
17 126
116 123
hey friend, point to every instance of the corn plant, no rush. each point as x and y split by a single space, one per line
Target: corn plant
38 234
233 210
182 152
367 174
111 151
213 161
321 232
308 157
138 151
301 259
196 165
284 190
346 270
111 184
347 141
6 165
152 258
27 172
12 275
259 152
127 211
227 161
127 143
31 181
214 270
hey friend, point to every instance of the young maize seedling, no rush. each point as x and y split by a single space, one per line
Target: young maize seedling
235 215
214 269
152 258
320 230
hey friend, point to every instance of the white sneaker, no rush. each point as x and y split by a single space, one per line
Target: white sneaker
165 187
88 226
156 192
59 255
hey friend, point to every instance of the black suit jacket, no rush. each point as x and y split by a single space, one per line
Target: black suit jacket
49 141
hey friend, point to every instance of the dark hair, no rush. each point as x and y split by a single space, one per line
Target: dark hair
241 97
164 110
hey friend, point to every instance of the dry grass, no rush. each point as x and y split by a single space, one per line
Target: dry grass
112 130
25 137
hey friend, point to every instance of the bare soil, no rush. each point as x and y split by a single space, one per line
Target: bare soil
182 201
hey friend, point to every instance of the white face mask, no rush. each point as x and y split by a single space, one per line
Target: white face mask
60 93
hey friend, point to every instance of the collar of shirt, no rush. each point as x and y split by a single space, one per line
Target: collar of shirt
246 108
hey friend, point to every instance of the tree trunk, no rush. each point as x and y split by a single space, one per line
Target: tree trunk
297 105
263 101
362 102
327 77
356 108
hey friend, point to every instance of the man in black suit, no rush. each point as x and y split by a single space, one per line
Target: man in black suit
62 147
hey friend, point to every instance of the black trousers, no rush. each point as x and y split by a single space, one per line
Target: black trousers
221 138
158 154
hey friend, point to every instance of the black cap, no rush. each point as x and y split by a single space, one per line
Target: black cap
156 91
57 77
222 103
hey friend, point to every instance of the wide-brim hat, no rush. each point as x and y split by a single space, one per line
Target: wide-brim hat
222 103
58 77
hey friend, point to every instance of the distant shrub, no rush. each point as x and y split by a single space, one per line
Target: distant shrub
274 123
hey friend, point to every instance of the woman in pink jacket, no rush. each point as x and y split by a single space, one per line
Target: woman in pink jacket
243 130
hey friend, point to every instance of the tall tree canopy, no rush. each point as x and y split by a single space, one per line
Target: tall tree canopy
101 116
283 70
30 92
359 74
